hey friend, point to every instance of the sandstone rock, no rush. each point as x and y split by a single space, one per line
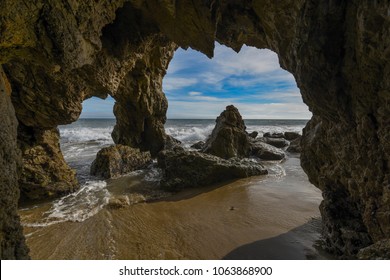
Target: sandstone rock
118 159
276 142
45 174
11 235
198 145
273 135
377 251
171 143
290 135
183 169
266 152
58 53
228 138
253 134
295 146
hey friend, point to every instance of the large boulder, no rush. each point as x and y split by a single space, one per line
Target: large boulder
198 145
253 134
276 142
273 135
229 138
171 143
45 173
295 146
118 159
182 169
266 152
291 135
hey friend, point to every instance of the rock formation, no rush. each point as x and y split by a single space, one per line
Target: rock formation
265 151
198 145
12 244
275 135
276 142
253 134
228 138
118 159
44 171
290 135
295 146
183 169
58 53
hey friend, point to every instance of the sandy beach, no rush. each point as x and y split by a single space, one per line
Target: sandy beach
266 217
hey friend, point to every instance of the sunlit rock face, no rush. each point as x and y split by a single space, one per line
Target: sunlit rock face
58 53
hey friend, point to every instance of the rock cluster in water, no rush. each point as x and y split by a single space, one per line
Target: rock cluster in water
224 156
58 53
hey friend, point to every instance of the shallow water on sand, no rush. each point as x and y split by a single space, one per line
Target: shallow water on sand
265 217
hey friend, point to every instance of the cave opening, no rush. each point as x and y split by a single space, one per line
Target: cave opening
198 89
81 140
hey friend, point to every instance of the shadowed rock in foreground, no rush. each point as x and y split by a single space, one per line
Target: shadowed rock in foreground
182 169
11 236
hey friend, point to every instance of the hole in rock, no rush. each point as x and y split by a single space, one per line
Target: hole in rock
198 90
81 140
283 203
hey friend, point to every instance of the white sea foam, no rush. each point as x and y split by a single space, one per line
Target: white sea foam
190 134
261 129
76 207
85 134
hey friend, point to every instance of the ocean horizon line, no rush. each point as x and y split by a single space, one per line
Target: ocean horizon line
198 119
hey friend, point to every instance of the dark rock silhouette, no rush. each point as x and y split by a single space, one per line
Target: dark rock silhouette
182 169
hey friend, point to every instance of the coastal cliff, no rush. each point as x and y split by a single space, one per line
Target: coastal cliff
58 53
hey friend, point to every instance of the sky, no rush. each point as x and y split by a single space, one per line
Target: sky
200 88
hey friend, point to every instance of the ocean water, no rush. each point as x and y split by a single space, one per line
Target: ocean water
191 131
266 205
80 142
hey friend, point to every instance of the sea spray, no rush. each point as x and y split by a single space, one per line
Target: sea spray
77 206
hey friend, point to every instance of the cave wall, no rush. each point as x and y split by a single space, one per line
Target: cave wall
58 53
12 243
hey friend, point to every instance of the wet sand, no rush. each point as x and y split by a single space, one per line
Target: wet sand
265 217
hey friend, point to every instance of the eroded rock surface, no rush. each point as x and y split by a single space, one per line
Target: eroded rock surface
118 159
12 243
295 146
228 138
182 169
266 151
45 174
276 142
58 53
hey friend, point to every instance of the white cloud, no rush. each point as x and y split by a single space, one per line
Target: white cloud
196 85
211 109
194 93
174 83
248 60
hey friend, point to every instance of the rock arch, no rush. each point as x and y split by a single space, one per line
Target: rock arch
56 54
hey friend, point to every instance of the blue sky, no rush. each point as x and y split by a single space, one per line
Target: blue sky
199 87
